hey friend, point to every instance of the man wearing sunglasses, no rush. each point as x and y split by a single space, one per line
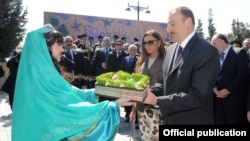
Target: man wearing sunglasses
115 57
190 70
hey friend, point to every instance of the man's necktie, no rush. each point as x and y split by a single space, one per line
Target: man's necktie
131 61
222 55
106 51
179 51
118 54
70 57
68 54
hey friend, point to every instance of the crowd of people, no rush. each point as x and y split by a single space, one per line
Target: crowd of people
193 81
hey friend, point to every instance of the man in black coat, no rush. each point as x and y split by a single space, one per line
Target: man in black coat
78 64
231 87
190 70
115 57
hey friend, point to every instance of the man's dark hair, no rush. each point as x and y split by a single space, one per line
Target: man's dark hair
100 37
136 39
186 12
91 38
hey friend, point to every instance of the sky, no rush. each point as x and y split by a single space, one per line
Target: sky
224 11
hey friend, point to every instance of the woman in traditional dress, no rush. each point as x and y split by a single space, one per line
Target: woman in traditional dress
47 108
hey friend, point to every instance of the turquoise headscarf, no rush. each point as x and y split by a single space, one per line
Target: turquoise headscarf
47 108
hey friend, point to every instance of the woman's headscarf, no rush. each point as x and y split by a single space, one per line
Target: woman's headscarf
47 108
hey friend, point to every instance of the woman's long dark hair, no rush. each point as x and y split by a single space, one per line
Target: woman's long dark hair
56 37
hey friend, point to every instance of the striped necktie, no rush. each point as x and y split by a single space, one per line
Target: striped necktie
179 51
131 59
118 54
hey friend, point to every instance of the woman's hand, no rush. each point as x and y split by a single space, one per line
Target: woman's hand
125 101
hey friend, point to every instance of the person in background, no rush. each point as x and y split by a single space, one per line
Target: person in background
10 82
91 42
91 48
231 88
84 44
115 57
100 60
80 64
100 57
124 40
47 106
237 42
135 40
246 46
99 43
139 48
115 37
190 70
128 62
125 47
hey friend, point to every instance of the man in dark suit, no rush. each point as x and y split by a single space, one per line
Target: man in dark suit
115 57
80 64
100 57
190 70
246 46
231 88
100 60
128 62
99 43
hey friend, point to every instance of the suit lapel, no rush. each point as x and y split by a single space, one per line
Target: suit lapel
168 63
168 60
176 63
155 64
227 58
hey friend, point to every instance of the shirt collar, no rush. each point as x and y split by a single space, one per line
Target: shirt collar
185 41
227 49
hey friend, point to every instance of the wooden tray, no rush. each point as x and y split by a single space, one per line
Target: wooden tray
119 92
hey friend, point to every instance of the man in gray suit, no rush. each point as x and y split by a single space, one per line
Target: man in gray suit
188 78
